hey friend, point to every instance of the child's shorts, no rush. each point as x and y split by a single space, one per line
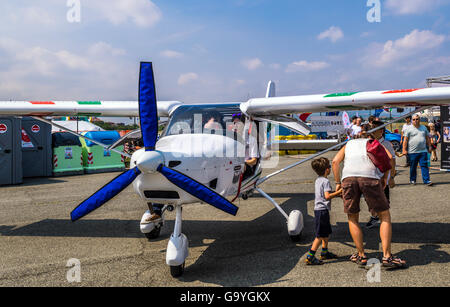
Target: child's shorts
323 225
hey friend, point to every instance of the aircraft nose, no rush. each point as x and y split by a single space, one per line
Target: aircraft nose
149 161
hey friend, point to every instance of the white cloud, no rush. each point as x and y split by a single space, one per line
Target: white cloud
37 15
407 46
186 78
333 34
306 66
171 54
35 72
410 7
275 66
144 13
252 64
102 48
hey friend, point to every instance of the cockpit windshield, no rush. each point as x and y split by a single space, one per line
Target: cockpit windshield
217 119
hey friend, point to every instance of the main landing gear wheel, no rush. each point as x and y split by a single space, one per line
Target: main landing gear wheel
154 233
177 270
295 225
296 238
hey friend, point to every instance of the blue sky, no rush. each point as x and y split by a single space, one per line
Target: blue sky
212 51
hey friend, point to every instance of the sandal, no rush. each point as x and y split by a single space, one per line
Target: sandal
394 262
361 261
354 257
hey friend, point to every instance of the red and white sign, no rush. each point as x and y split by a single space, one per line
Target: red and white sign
3 128
90 158
35 128
26 142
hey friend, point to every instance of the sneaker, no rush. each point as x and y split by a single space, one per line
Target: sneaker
313 261
430 184
372 222
412 182
153 218
327 256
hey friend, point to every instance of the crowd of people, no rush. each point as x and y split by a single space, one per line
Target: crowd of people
369 170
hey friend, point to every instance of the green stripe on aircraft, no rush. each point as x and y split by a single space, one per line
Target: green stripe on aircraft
89 102
341 94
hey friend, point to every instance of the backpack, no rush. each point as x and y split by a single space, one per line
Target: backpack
377 154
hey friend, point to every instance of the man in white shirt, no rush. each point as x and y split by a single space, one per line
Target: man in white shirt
350 128
356 129
247 129
251 148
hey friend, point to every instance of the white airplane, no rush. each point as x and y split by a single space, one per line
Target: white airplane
192 161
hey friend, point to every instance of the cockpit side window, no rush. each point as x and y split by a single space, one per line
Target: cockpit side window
202 119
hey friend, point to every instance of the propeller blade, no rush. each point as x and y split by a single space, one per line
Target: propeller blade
106 193
148 112
198 190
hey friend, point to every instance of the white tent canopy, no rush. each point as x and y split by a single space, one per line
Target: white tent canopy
83 126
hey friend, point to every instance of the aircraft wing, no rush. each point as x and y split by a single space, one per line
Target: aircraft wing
347 101
81 108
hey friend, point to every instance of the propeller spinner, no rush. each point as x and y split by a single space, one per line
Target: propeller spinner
152 160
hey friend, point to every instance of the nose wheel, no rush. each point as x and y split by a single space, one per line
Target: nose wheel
177 270
177 247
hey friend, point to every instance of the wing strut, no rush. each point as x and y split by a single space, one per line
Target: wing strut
261 180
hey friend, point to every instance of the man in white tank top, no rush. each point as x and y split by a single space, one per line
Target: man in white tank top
361 177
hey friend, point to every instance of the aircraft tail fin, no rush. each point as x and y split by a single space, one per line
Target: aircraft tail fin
270 89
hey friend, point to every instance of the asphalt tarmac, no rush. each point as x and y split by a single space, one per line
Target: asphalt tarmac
37 238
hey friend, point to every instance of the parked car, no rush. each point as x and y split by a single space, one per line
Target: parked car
395 139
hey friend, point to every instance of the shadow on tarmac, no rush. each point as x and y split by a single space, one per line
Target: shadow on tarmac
242 253
27 182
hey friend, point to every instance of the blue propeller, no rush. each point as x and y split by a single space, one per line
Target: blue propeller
106 193
148 113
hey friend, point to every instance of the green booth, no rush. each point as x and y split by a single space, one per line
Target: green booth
96 159
67 154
